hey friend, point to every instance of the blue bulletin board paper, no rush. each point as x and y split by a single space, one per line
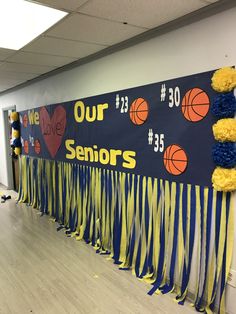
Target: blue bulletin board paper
161 130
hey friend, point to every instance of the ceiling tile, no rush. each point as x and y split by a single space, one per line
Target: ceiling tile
40 59
148 14
60 47
25 68
98 24
5 53
95 30
68 5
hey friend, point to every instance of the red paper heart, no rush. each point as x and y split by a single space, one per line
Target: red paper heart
53 128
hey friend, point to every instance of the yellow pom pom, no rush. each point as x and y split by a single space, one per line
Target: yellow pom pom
15 133
224 179
17 151
225 130
14 116
224 79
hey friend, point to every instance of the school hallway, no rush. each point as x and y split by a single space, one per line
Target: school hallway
44 272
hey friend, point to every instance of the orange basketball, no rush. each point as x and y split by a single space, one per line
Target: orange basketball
175 159
195 105
26 147
37 146
25 120
139 111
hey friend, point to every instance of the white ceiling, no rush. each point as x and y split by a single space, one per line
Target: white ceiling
90 26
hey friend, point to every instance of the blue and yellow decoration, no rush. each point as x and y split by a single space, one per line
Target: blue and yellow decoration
15 137
144 224
224 154
160 130
224 179
224 106
224 130
224 80
130 173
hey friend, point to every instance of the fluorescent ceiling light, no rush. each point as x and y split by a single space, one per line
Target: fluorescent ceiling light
22 21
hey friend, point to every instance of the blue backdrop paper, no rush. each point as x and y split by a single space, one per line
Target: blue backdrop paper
117 131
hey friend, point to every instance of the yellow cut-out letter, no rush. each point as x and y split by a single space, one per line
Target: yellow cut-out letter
68 144
129 161
79 111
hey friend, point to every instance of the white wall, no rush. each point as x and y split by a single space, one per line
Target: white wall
201 46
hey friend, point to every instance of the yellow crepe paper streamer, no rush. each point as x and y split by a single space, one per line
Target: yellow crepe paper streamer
224 179
229 250
86 198
224 79
225 130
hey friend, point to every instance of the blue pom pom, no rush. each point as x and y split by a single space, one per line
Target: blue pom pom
224 106
224 154
17 142
16 125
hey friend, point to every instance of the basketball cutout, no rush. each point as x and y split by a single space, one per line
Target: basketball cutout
26 147
195 105
175 160
37 146
139 111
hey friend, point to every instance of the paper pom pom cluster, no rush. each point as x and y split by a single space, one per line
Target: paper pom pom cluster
224 79
224 154
15 138
224 179
224 106
224 130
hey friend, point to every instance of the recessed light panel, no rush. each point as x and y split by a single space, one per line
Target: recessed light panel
22 21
